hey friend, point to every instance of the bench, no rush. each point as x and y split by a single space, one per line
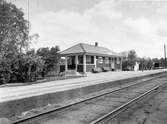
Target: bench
96 70
105 69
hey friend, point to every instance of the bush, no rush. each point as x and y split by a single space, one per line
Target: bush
26 68
51 60
5 71
22 68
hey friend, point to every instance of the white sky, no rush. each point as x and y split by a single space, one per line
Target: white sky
119 25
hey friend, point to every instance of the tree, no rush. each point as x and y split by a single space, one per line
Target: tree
13 37
146 63
5 71
44 54
26 68
13 30
149 64
54 57
16 63
129 60
132 57
51 59
162 62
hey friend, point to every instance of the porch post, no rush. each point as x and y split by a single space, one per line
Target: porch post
84 63
95 61
76 62
121 63
118 62
66 63
110 62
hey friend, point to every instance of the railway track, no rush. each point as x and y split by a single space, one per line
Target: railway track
111 115
149 83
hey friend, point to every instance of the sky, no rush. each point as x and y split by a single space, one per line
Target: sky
119 25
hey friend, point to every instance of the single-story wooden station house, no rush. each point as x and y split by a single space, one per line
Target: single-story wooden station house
85 57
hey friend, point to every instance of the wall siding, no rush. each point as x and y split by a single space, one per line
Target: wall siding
89 67
62 68
102 65
80 68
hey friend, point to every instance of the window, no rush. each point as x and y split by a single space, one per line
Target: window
115 60
80 59
69 60
100 59
112 60
89 59
118 60
106 60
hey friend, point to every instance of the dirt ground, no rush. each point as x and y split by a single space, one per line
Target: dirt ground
151 111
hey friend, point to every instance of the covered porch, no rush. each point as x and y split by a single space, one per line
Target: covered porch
85 62
78 62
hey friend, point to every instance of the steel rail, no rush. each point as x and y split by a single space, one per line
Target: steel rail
77 102
111 115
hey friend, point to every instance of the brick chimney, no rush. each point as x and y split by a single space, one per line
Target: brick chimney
96 44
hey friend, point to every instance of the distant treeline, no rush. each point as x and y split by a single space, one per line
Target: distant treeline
130 58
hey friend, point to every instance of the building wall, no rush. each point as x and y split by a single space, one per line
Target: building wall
62 68
80 68
102 65
89 67
101 62
107 62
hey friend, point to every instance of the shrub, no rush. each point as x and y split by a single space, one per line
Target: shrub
5 71
22 68
26 68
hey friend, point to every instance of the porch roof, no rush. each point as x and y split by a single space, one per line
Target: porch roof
83 48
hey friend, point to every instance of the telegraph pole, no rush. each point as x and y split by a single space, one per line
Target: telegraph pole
165 64
28 16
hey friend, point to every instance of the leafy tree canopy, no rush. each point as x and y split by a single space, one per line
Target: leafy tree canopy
50 57
13 29
132 57
16 63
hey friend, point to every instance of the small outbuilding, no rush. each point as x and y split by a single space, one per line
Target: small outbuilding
85 57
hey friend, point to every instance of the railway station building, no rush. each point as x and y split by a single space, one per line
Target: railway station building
85 57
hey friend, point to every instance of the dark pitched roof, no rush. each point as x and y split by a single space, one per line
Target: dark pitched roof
90 49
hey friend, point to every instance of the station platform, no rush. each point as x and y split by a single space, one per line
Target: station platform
18 92
21 98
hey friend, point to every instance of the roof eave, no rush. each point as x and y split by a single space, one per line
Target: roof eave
69 54
82 53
